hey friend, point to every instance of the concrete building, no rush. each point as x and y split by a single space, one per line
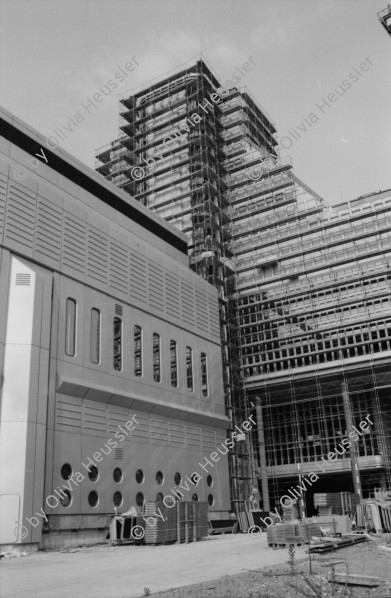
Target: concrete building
304 287
110 353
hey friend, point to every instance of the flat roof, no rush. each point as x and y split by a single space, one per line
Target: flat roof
30 141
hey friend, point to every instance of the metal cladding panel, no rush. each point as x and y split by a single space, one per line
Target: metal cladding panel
138 280
118 267
171 284
48 232
3 195
74 241
187 302
97 256
20 218
156 287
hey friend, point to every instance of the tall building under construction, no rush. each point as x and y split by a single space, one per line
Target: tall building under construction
304 287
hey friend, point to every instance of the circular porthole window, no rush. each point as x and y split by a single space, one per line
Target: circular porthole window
66 500
194 497
177 478
139 476
193 479
209 481
140 499
93 473
93 499
159 497
159 478
211 500
117 499
66 471
117 475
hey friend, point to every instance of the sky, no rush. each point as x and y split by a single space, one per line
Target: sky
55 54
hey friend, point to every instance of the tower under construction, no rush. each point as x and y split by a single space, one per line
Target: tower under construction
304 288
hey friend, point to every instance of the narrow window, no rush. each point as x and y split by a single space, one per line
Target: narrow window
70 327
189 368
117 344
156 357
138 370
173 364
204 375
95 336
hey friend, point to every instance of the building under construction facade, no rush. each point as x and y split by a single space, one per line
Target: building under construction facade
304 288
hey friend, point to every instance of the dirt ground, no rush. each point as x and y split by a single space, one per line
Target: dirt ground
124 571
220 567
277 581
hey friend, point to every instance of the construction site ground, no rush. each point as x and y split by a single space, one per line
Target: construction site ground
219 567
124 571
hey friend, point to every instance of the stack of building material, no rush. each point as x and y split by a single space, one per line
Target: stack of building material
290 513
291 533
310 530
201 515
336 503
243 521
185 522
321 502
335 524
276 535
272 535
375 515
158 530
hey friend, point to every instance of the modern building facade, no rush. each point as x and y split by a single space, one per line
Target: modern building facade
314 300
304 287
110 355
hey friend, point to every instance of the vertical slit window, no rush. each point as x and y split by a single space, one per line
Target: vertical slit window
204 375
95 336
173 364
189 368
138 368
70 327
156 357
117 344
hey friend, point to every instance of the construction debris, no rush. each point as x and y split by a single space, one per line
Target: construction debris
354 579
375 513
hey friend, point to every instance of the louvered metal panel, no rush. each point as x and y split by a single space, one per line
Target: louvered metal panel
155 287
119 271
74 243
97 255
193 437
119 454
171 284
23 279
48 231
176 434
20 217
201 305
94 418
138 277
68 413
187 302
3 195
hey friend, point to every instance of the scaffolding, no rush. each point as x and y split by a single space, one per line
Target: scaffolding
171 156
304 289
